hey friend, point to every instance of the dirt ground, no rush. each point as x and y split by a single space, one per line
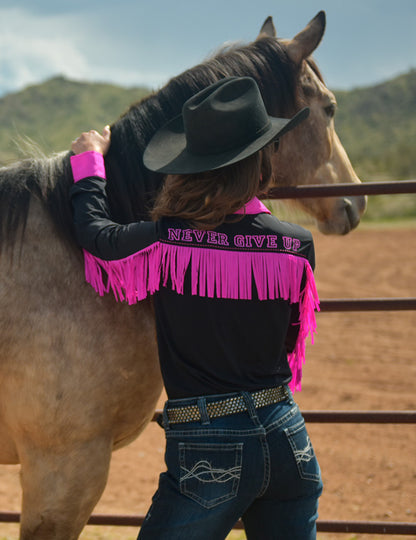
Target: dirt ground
360 361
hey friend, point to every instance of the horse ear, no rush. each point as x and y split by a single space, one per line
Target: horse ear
267 29
304 43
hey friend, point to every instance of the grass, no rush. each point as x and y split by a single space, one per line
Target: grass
390 208
382 211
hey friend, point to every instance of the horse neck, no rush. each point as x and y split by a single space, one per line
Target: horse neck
131 187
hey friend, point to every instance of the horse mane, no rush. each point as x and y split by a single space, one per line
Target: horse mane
47 179
130 186
265 60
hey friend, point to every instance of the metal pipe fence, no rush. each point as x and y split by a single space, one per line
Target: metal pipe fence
368 527
339 417
336 190
368 304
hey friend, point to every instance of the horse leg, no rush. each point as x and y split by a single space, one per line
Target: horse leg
60 489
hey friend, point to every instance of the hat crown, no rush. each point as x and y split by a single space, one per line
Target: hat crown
224 116
220 125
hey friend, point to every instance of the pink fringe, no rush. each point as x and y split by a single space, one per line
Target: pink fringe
309 303
214 273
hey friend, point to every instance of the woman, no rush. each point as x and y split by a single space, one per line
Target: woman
234 300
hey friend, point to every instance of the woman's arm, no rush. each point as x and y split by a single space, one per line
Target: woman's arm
95 230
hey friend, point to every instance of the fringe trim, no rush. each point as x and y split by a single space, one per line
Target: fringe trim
214 273
309 303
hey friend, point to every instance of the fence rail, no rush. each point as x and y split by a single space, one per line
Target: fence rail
368 304
336 190
351 417
369 527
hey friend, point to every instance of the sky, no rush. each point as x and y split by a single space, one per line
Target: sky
145 42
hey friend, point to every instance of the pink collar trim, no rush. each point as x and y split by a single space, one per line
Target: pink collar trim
255 206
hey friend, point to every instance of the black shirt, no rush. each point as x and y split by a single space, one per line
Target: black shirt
207 345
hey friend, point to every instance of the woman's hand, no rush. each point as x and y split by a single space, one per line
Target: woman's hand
92 141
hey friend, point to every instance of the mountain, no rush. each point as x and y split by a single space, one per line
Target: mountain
52 114
376 124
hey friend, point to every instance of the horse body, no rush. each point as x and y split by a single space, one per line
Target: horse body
79 374
73 385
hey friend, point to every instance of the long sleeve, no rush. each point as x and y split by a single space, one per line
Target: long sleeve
293 328
294 323
95 230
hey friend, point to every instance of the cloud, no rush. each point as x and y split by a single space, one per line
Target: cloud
33 48
146 43
37 46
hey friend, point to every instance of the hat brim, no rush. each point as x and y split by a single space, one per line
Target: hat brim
167 152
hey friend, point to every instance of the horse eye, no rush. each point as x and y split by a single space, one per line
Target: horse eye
330 110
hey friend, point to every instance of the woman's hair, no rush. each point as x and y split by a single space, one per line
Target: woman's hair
206 199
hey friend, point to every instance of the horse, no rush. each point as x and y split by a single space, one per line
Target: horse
79 373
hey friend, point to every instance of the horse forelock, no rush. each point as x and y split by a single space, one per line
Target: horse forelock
312 64
131 187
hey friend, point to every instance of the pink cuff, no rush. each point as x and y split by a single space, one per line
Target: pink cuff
87 164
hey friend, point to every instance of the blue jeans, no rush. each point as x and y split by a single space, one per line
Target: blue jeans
258 465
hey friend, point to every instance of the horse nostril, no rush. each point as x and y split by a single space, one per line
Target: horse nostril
352 214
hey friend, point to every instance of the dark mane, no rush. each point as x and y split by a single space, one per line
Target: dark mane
312 64
131 187
129 182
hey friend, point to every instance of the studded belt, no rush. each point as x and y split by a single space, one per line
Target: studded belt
224 407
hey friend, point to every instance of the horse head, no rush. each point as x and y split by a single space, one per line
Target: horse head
288 79
313 153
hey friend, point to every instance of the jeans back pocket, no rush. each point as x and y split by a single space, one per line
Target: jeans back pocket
210 473
303 452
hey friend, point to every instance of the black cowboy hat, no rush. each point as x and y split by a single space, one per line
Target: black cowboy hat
224 123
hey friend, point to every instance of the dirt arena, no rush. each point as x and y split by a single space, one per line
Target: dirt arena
360 361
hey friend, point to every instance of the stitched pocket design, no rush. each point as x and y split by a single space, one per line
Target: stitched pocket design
210 473
303 452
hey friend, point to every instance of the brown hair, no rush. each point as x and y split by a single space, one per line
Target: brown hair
206 199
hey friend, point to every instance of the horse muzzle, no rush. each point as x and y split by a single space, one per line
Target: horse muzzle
345 215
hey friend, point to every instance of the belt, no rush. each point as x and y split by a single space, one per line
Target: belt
224 407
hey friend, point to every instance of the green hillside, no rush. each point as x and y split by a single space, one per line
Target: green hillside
377 126
55 112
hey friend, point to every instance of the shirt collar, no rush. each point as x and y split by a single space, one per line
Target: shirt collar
255 206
